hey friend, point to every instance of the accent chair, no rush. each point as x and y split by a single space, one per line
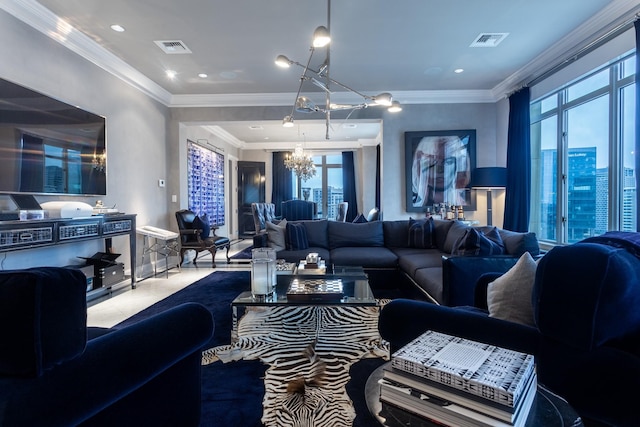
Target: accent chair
296 210
195 234
263 213
343 208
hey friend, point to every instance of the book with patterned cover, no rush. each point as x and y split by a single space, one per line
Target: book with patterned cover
491 372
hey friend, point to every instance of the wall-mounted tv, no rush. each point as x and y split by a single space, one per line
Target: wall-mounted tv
48 146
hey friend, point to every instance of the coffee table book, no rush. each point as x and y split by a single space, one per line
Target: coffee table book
493 373
468 400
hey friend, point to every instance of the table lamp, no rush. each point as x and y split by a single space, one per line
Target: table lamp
488 179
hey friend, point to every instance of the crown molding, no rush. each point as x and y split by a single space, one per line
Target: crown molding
42 19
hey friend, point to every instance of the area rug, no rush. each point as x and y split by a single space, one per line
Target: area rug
244 254
232 393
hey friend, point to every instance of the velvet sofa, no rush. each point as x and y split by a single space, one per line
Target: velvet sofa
584 329
414 248
54 371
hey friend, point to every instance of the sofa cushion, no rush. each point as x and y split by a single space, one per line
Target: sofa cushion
475 242
348 234
317 233
455 233
516 243
441 230
368 257
395 233
412 259
509 296
296 236
421 234
430 280
277 235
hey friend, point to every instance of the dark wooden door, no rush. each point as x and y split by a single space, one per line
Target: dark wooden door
250 190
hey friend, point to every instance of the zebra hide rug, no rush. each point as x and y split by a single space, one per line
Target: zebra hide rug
309 351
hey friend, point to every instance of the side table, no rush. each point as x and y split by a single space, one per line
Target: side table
548 409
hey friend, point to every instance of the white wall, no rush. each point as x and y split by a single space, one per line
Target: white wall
136 135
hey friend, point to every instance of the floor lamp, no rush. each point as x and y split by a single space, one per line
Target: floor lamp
489 179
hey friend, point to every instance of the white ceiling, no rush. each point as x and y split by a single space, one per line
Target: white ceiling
407 47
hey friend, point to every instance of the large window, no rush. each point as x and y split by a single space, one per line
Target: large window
583 171
325 188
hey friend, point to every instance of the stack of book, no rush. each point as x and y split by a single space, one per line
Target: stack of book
458 382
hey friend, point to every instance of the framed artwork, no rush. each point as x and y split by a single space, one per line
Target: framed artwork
438 168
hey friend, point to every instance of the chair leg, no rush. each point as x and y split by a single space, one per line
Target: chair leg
182 251
228 259
213 257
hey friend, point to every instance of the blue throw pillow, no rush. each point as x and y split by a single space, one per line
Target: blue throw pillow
202 222
421 234
296 237
475 242
360 219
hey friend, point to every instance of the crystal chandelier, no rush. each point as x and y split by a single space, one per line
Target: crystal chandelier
301 163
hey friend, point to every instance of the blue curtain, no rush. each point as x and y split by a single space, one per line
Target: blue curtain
349 184
282 185
636 24
518 193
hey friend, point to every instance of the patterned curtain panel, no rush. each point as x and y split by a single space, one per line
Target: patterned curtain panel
205 182
518 194
282 186
349 185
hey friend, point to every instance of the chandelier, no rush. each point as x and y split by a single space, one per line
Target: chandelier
301 163
321 79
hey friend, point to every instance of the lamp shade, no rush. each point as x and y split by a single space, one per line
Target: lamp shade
489 177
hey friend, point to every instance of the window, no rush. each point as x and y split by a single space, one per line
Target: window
583 170
325 189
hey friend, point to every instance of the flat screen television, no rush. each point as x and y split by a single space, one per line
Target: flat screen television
48 146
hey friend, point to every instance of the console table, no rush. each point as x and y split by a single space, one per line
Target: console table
23 235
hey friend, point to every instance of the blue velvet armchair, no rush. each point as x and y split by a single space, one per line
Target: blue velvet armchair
54 371
586 338
297 210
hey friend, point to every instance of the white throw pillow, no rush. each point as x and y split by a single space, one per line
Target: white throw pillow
276 235
509 296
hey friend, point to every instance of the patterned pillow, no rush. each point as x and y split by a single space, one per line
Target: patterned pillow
360 219
202 222
475 242
296 237
421 234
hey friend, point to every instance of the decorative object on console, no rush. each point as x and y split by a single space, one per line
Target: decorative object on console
320 78
61 209
301 163
489 178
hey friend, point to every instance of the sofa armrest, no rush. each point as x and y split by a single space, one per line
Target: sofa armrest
460 275
144 374
403 320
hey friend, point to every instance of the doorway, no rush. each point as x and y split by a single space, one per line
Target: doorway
251 189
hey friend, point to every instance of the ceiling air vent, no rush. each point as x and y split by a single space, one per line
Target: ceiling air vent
172 47
488 39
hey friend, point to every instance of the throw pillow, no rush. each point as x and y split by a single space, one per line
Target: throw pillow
360 219
296 237
276 235
509 296
202 222
475 242
421 233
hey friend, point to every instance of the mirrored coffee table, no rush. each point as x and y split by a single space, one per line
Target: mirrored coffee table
355 291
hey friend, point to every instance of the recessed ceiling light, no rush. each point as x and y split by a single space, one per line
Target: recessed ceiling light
203 75
118 28
171 74
458 70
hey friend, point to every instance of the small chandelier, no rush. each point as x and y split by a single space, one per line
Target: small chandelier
301 163
99 161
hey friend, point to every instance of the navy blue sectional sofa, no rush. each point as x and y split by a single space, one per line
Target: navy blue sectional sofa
391 245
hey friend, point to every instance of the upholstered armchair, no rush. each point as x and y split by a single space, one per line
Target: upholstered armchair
263 213
196 234
296 210
55 371
585 331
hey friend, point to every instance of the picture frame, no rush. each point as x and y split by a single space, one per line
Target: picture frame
438 169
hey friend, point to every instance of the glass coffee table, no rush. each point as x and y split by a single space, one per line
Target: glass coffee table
355 291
